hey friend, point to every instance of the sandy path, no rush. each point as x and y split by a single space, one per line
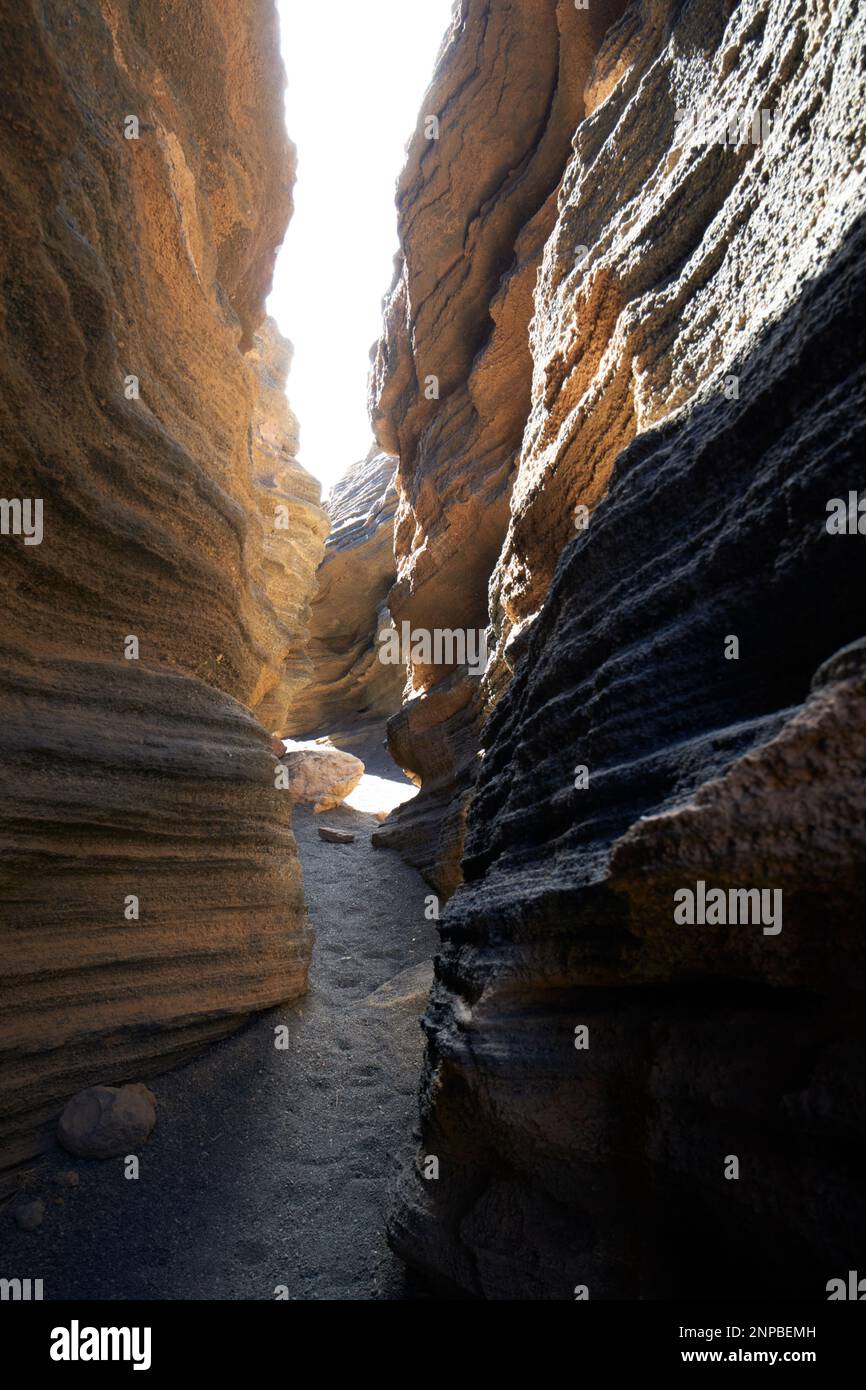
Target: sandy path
270 1167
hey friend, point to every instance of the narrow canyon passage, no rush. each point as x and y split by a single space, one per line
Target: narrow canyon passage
269 1167
590 562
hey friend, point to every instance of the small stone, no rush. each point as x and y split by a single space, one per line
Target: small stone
67 1178
29 1215
335 837
107 1121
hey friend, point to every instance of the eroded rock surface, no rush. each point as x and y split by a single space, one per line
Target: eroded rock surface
294 525
697 385
320 775
434 738
349 683
451 381
149 876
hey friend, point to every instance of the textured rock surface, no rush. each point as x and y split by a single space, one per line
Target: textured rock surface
349 683
294 525
320 775
145 778
434 738
299 1141
107 1121
708 499
508 88
472 229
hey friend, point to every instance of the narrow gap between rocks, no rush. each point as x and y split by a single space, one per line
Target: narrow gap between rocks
269 1166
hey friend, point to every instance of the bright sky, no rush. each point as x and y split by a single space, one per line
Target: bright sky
357 72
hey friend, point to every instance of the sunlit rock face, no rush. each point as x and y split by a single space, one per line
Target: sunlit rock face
451 382
349 681
696 400
149 875
294 525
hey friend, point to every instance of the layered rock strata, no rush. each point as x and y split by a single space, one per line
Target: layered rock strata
687 701
150 882
294 524
451 382
434 739
349 682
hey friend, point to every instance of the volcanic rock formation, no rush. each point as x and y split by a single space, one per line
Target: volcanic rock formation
434 738
294 525
684 632
349 683
150 882
451 382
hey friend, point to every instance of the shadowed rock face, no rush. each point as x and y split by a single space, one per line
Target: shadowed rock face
348 681
151 777
706 503
434 738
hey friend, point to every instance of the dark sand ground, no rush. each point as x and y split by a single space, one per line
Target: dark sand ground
269 1167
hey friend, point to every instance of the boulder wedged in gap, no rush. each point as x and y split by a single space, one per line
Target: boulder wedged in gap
320 774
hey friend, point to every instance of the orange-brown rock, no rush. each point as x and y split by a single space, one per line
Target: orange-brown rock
348 681
149 877
434 738
450 387
616 305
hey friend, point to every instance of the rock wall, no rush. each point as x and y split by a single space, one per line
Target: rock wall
694 396
434 738
148 634
294 525
450 386
348 682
